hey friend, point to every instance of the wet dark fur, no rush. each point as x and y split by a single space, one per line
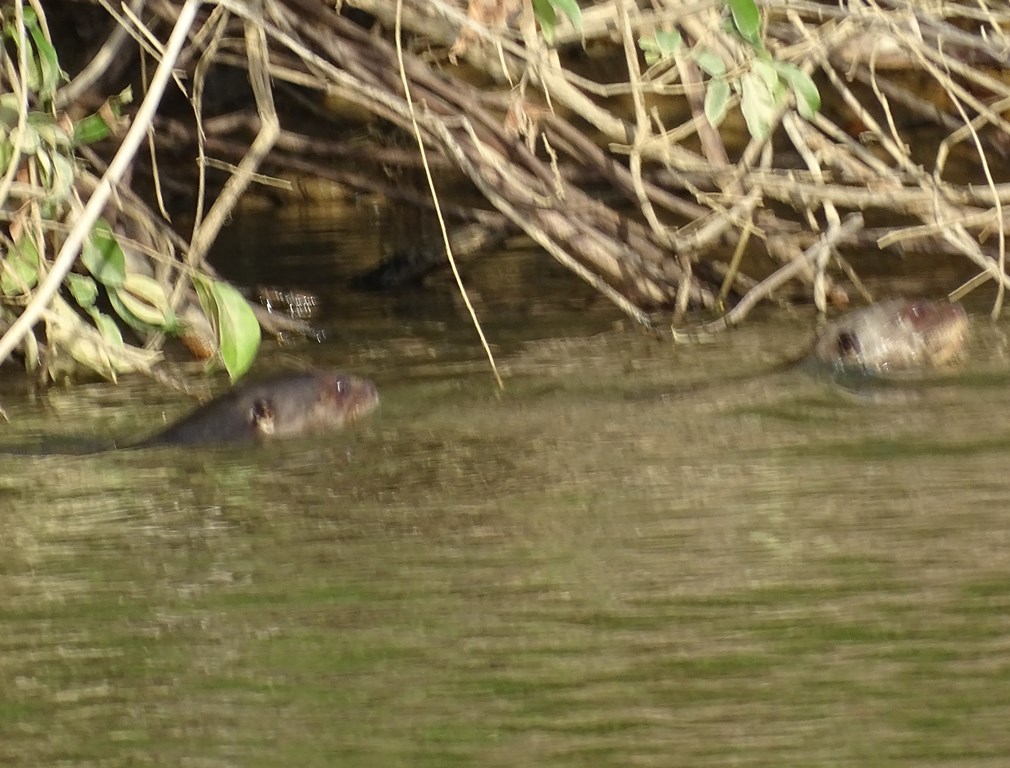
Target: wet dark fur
283 405
868 345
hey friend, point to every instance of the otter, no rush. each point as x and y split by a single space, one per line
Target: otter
282 405
892 336
863 351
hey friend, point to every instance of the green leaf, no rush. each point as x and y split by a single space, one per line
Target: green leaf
8 110
571 9
146 300
66 332
6 152
544 11
808 98
91 129
57 173
30 349
757 104
96 127
103 257
27 140
661 46
64 176
747 20
651 50
669 40
717 100
710 62
48 130
124 313
33 75
50 74
238 331
768 72
21 267
108 328
83 289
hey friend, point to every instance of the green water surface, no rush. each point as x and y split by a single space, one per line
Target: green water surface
578 572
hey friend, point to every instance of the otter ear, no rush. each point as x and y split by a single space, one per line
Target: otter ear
261 416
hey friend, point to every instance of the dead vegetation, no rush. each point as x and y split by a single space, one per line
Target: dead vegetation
673 154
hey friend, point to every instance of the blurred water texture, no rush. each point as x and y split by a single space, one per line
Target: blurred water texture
609 564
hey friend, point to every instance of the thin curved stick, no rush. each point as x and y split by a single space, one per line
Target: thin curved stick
438 207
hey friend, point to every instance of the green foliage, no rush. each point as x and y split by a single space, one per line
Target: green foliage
21 267
85 292
747 20
237 329
717 100
83 289
709 62
102 256
34 135
97 127
107 328
762 88
45 141
763 91
44 73
808 98
546 12
660 46
759 98
142 303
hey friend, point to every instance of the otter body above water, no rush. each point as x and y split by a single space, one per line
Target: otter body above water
283 405
894 335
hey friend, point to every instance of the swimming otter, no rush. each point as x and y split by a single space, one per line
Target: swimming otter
860 350
282 405
894 335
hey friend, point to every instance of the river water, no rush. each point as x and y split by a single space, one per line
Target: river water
617 561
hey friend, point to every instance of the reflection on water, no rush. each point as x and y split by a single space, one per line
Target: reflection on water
579 572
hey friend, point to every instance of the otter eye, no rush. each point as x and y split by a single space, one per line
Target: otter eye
848 344
342 386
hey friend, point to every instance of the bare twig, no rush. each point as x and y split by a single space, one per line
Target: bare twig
131 142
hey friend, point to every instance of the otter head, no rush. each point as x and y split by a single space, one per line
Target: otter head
894 335
311 403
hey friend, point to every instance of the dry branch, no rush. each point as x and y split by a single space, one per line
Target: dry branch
615 169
